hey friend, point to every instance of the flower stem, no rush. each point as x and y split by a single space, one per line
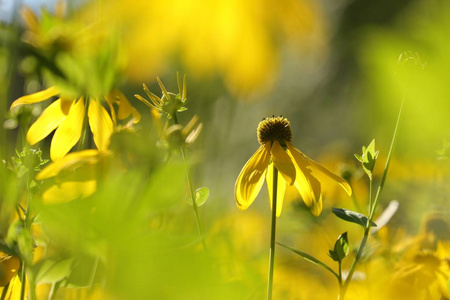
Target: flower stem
372 208
191 189
272 232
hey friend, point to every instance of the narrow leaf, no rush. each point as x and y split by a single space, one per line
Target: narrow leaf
351 216
311 259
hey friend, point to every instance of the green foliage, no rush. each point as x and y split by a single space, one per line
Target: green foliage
351 216
341 248
368 158
51 271
311 259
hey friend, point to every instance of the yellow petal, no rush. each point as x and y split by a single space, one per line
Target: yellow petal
48 121
251 179
283 162
36 97
306 183
30 19
324 174
69 163
68 191
281 188
100 123
68 132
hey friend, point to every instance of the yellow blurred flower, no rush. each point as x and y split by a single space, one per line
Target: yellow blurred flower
9 265
241 40
274 135
67 117
73 176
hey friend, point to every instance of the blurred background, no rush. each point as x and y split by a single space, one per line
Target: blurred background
338 70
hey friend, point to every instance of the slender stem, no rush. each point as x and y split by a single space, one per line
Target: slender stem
372 207
191 189
22 279
272 232
5 291
370 193
93 273
83 139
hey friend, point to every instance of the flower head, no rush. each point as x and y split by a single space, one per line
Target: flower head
67 117
169 103
275 136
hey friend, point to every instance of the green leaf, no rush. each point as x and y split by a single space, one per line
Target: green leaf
311 259
201 195
351 216
368 158
50 271
340 248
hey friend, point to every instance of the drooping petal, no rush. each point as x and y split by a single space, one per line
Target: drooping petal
325 174
281 188
48 121
283 162
69 163
306 183
100 123
251 179
36 97
68 132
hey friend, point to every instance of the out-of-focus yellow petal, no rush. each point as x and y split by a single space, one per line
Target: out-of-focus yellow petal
36 97
283 162
48 121
100 123
70 162
306 183
68 191
324 174
30 19
281 188
251 179
69 132
9 266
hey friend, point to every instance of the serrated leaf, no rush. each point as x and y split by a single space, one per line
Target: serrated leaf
351 216
50 271
311 259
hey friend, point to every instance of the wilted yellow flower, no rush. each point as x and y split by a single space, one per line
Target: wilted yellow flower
274 135
67 117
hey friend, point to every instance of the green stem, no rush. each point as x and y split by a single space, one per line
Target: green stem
372 207
5 291
191 188
22 280
272 232
82 143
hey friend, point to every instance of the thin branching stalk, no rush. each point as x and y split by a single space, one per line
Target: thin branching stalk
372 208
191 188
272 232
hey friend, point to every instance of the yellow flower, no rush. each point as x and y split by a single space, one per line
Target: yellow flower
274 135
9 265
67 117
73 176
